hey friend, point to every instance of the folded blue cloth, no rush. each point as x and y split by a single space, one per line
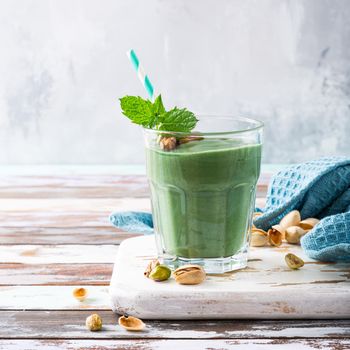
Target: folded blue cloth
319 189
132 221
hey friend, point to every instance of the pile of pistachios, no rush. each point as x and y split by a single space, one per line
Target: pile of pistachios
186 274
291 228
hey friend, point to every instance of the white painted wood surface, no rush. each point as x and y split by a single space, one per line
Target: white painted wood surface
52 298
135 344
51 254
266 289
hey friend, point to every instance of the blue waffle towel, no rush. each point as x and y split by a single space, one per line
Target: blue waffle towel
132 221
319 189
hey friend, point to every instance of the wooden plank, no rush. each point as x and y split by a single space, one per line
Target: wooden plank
53 254
61 235
53 298
85 186
65 212
73 186
71 324
219 344
55 274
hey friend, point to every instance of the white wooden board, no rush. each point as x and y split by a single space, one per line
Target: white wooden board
266 289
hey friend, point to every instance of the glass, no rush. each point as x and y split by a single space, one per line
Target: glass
203 191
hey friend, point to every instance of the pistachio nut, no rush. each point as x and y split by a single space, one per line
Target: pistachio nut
291 219
258 238
308 223
189 274
294 233
160 273
151 265
275 236
293 261
168 143
80 293
94 323
131 323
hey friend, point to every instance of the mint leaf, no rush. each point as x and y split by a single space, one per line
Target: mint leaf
154 116
158 107
181 120
138 110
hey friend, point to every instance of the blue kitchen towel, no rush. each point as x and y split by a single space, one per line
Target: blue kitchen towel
319 189
132 221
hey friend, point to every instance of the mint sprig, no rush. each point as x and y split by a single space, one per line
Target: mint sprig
154 116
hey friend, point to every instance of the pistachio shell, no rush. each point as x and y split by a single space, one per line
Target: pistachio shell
291 219
275 237
258 238
80 294
189 274
294 233
280 229
131 323
293 261
308 223
160 273
151 265
168 143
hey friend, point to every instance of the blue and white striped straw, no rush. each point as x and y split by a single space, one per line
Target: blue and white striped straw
141 74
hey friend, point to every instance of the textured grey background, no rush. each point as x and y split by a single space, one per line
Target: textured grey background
63 66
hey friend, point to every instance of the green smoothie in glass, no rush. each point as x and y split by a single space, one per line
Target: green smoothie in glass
202 195
202 174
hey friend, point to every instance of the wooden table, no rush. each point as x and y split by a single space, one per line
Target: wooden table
55 235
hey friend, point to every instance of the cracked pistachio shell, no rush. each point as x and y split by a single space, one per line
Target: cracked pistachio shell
80 294
258 238
275 237
151 265
189 274
293 261
308 223
294 233
131 323
160 273
280 229
291 219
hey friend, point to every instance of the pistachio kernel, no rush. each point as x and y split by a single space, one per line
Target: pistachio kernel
293 261
160 273
131 323
94 323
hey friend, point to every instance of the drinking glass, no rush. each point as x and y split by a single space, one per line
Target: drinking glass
203 186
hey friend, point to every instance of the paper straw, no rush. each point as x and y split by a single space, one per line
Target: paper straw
141 74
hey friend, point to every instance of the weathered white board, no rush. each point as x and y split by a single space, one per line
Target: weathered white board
266 289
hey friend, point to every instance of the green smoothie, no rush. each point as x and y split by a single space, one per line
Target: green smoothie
202 196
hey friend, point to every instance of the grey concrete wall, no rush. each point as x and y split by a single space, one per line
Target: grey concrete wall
63 66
